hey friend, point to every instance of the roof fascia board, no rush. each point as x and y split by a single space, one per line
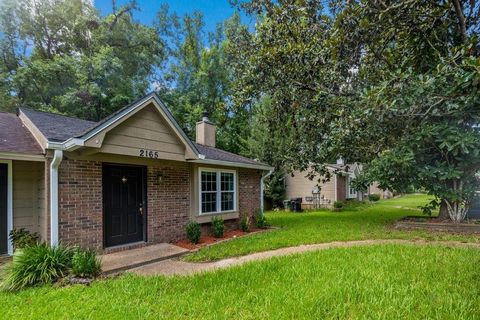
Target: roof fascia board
176 128
36 133
75 143
21 156
233 164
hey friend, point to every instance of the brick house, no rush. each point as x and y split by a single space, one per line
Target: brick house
131 179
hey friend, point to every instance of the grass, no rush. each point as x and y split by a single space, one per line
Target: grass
355 222
377 282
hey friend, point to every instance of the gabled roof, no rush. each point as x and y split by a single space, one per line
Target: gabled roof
15 137
65 132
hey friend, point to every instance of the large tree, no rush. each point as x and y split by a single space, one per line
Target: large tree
60 55
199 77
372 81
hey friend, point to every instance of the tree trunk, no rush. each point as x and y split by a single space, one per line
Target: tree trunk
443 212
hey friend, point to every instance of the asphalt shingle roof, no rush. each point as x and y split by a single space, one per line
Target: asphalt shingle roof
211 153
57 127
15 137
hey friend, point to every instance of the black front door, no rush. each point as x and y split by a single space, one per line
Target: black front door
124 208
3 207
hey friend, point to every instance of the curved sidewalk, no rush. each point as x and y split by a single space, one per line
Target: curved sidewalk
177 267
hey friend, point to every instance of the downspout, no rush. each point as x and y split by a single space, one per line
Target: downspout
57 159
262 187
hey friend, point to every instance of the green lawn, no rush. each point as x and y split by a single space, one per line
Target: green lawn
377 282
357 222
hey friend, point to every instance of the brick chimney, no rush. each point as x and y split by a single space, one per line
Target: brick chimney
205 133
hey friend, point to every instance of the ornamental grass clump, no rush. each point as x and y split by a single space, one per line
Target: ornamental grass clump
22 238
86 264
37 264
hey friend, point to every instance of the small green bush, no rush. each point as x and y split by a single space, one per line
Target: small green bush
218 227
37 264
374 197
245 223
193 232
86 264
22 238
260 220
338 204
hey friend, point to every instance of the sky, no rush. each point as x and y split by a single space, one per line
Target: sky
214 11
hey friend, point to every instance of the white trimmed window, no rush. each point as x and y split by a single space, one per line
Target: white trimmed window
217 190
351 192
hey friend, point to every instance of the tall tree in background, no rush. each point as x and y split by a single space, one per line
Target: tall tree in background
199 77
60 55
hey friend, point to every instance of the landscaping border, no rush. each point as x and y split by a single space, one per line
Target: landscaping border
466 228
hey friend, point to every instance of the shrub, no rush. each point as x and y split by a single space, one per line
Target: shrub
218 227
245 223
37 264
260 220
86 264
338 204
193 232
22 238
374 197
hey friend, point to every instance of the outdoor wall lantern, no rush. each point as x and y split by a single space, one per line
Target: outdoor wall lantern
124 180
159 177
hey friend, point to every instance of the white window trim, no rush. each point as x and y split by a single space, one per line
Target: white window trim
350 195
219 202
9 204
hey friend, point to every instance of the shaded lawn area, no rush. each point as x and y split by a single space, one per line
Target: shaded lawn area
356 222
377 282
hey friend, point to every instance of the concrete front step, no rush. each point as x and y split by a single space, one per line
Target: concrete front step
129 259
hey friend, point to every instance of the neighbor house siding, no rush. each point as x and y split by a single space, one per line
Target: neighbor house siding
299 186
28 195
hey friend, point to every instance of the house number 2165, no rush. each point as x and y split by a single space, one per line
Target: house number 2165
148 153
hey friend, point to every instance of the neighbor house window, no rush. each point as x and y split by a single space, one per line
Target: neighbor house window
217 190
352 193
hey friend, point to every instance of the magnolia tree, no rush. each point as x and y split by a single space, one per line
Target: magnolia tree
391 84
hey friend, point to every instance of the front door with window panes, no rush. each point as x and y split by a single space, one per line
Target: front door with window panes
217 191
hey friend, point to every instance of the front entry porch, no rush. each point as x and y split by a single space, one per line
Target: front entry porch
133 258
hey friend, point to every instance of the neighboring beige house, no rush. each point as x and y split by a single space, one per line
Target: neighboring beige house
316 194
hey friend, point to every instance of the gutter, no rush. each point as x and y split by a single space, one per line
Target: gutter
231 164
262 187
57 159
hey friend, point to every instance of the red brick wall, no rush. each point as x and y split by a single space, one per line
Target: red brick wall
80 203
168 202
249 191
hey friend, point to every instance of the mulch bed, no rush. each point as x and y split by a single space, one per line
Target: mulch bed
209 240
435 224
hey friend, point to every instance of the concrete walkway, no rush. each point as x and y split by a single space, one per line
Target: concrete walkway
171 267
128 259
